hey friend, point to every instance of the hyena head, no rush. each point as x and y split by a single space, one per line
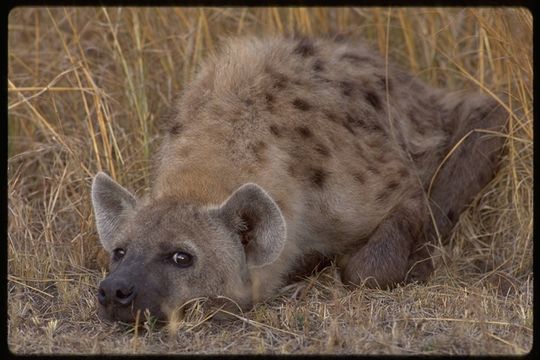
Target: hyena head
165 252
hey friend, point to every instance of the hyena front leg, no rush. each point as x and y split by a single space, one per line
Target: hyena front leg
383 260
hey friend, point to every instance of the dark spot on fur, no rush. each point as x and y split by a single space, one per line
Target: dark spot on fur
390 188
359 177
301 104
176 129
280 80
392 185
318 66
335 119
291 169
375 126
305 48
346 88
373 169
304 131
373 99
318 177
269 98
322 79
322 149
382 83
249 102
354 121
274 129
360 123
382 195
402 172
451 215
349 128
331 117
447 126
356 59
417 156
479 113
258 150
418 195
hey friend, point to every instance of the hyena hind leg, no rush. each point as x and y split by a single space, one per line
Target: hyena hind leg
383 260
399 249
472 122
475 121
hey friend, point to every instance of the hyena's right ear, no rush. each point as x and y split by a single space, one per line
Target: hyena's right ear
256 218
111 203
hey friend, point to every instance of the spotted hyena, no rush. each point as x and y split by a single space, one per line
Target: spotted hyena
285 152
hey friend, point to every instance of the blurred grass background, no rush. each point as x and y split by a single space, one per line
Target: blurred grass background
87 91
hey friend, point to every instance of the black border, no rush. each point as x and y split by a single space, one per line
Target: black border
8 5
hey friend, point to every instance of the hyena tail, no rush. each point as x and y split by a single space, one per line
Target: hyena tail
475 124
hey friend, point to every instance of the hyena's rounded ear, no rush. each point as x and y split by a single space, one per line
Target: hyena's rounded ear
256 218
111 204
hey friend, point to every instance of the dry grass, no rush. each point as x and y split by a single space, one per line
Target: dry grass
87 88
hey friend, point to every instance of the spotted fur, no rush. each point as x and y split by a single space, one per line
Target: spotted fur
341 167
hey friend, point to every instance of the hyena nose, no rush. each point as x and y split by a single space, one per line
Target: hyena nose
117 292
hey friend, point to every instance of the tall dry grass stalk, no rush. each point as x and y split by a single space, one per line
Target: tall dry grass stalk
88 89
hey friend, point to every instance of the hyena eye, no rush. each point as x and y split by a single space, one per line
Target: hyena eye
118 253
182 259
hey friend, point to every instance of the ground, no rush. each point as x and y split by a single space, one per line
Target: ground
88 89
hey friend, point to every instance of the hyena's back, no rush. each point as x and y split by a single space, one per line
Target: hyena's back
345 144
309 118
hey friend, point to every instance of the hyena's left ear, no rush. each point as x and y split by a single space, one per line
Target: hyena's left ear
111 204
256 218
